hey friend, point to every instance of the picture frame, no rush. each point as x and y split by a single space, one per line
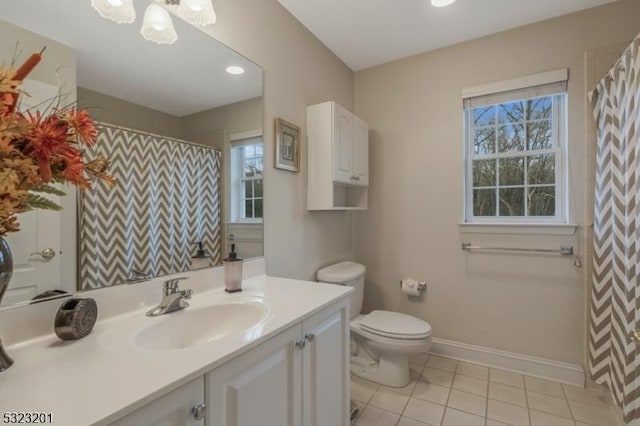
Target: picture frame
287 152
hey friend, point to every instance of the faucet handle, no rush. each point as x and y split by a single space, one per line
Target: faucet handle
187 293
171 286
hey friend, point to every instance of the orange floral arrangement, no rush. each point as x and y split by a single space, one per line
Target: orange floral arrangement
41 149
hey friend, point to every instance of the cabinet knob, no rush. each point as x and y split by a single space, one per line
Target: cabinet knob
300 344
309 337
198 411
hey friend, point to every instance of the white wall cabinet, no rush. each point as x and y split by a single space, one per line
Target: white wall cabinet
182 407
338 158
299 377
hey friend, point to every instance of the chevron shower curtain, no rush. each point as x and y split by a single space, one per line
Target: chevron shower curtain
615 299
167 196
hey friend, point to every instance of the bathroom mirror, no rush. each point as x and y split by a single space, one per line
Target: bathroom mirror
183 134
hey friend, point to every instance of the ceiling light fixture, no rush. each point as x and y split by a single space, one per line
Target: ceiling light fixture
441 3
157 25
118 11
200 12
235 70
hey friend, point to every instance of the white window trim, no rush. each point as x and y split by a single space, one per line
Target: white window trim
560 137
235 181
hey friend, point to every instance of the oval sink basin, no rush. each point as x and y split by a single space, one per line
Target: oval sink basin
192 327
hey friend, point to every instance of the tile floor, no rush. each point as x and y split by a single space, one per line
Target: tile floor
446 392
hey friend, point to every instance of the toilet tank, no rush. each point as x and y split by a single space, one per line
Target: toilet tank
350 274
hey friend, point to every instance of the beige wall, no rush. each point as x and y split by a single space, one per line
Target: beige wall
533 305
299 71
112 110
233 118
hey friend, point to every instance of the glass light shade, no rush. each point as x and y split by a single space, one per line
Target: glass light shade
119 11
441 3
198 12
157 25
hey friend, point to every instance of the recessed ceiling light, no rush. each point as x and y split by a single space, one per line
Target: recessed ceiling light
235 70
441 3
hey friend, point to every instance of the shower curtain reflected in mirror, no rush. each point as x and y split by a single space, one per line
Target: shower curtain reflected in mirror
167 197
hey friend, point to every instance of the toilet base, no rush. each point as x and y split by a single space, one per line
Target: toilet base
391 370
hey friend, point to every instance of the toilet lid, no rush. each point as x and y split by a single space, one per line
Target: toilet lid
394 324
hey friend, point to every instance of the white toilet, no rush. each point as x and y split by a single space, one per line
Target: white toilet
381 341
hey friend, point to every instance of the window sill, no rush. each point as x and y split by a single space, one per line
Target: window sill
244 224
519 228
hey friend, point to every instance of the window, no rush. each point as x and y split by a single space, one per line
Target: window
515 156
246 180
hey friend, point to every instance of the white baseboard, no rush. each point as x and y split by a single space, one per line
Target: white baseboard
532 366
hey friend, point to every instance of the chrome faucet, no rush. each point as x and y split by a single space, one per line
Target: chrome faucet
136 276
173 298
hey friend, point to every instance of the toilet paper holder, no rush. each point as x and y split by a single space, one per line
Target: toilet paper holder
422 285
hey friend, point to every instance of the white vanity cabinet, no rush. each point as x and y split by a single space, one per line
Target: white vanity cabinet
299 377
182 407
338 158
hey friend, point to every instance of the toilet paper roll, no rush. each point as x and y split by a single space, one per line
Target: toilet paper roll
410 287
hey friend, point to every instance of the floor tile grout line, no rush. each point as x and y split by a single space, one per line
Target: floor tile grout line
564 392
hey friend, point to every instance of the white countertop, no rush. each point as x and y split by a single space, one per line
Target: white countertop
104 376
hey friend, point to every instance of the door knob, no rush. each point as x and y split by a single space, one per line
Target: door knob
635 336
47 254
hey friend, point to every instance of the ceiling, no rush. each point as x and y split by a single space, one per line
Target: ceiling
186 77
365 33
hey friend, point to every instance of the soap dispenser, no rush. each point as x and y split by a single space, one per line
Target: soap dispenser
202 259
233 272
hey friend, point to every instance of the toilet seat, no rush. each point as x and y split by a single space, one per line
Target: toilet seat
395 325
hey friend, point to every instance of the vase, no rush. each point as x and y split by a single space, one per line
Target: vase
6 270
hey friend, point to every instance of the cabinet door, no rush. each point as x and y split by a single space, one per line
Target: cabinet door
173 409
326 368
361 152
259 388
342 145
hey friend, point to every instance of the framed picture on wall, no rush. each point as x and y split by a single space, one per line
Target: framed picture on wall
287 150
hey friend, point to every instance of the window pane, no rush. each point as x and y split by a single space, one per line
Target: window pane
539 135
484 202
257 184
258 150
258 212
248 151
258 165
484 116
542 169
484 141
248 208
511 202
512 112
539 108
248 189
484 173
542 201
511 171
250 168
511 138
